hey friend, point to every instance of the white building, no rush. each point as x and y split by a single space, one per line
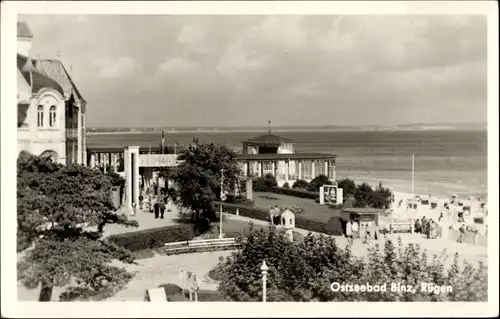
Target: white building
51 111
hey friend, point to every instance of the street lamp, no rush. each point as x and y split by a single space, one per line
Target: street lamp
264 270
222 198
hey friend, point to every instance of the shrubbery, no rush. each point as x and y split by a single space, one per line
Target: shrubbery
300 184
305 272
262 184
317 182
296 192
153 238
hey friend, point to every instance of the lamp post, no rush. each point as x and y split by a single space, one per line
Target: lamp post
264 270
222 198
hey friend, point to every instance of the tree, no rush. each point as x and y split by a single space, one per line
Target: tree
198 178
363 194
348 187
62 211
317 182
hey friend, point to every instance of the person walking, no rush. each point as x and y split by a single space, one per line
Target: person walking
348 232
162 208
355 230
134 208
156 208
141 201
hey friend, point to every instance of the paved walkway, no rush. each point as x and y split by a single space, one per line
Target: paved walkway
145 219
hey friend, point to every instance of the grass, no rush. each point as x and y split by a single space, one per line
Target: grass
312 210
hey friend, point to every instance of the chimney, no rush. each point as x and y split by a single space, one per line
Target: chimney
24 38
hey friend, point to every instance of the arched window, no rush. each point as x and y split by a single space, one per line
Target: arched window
40 116
52 116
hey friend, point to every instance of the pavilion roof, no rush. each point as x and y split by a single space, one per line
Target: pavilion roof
267 140
293 156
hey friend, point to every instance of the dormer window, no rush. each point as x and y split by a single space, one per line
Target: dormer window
52 116
40 116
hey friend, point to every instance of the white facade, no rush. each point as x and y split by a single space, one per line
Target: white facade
43 130
48 123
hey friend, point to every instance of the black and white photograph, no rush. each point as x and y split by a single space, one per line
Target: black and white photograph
236 158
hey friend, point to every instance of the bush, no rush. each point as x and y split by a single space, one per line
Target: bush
317 182
334 226
262 184
293 192
300 184
153 238
286 185
291 267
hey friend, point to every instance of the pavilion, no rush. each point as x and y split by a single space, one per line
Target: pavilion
273 154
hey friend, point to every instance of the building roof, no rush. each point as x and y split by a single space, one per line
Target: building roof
36 81
267 140
48 73
295 156
23 31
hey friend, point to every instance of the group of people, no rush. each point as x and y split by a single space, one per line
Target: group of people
156 204
351 231
274 215
428 227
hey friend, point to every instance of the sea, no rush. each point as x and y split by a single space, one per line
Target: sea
446 162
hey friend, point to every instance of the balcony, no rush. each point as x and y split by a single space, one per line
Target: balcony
72 133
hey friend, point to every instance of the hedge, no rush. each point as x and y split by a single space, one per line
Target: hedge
330 228
290 192
154 237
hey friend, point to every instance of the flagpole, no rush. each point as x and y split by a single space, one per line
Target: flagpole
413 177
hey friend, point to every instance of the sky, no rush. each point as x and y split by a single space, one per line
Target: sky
161 71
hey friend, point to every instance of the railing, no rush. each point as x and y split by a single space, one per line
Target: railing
190 245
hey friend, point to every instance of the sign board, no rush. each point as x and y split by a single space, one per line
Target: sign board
330 194
158 160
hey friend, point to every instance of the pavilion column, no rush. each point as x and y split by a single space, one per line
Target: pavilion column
92 160
104 161
245 169
313 169
259 168
286 170
300 169
128 177
326 168
135 171
273 167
